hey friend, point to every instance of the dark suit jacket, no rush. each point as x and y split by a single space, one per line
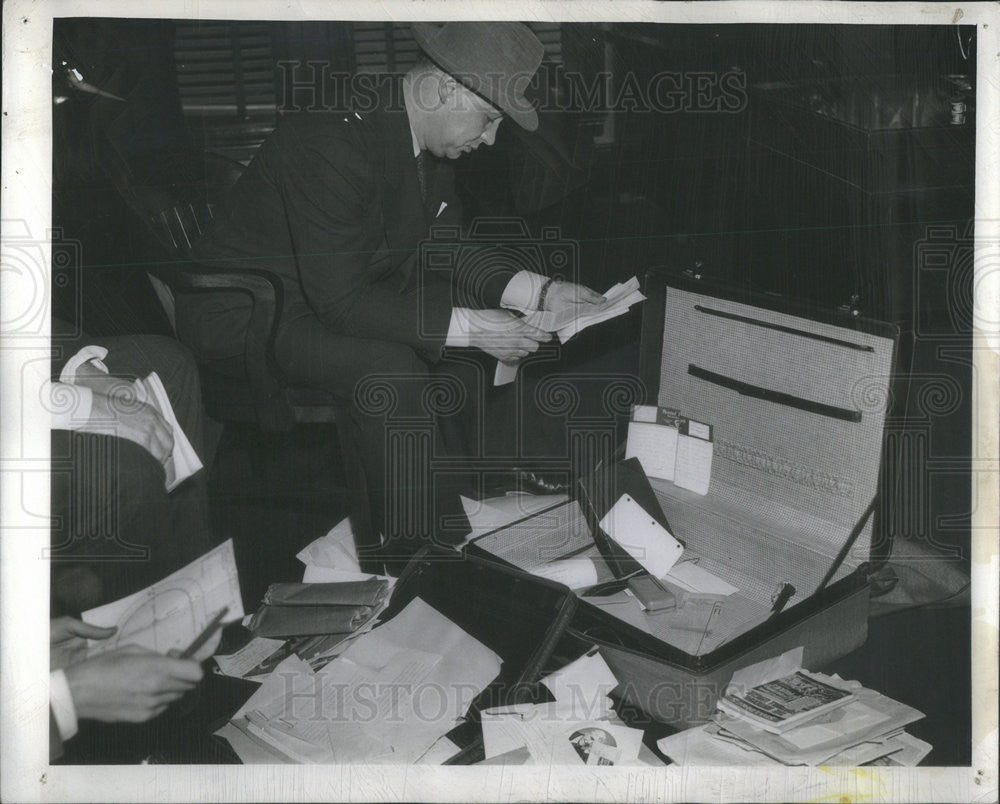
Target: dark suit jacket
332 204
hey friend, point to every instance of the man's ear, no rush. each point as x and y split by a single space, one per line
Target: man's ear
447 87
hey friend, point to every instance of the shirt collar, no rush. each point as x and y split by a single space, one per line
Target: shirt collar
416 146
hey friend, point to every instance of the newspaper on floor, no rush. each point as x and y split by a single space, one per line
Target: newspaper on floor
869 716
508 728
784 703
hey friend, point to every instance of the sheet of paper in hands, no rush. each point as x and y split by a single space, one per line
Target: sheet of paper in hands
567 323
642 537
617 300
183 461
171 613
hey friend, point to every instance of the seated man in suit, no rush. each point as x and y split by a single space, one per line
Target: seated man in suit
116 527
127 685
337 204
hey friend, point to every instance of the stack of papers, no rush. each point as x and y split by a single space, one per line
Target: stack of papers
769 715
330 559
567 323
288 624
390 697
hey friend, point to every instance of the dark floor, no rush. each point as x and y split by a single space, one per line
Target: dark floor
922 657
273 494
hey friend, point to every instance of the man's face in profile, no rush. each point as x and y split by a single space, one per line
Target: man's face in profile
462 122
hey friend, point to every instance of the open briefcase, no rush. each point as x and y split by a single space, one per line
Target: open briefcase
518 616
797 402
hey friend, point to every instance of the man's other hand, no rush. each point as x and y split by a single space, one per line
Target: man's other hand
569 295
68 640
129 685
125 417
504 335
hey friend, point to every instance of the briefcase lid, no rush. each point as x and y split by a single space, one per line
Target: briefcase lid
797 401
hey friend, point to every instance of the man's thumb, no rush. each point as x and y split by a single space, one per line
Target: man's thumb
80 628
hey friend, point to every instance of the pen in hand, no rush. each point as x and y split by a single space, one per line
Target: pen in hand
214 625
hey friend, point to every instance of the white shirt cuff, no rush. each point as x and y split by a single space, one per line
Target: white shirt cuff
459 328
71 405
61 701
88 353
522 291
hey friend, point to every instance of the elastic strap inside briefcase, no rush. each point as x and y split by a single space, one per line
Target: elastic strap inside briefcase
797 409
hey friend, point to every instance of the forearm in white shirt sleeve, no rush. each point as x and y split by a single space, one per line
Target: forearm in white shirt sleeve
61 701
92 354
522 291
71 405
459 328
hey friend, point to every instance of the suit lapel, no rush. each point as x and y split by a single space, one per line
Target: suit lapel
403 211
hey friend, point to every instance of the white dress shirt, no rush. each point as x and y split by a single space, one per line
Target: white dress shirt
521 293
61 702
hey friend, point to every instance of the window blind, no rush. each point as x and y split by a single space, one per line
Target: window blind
225 77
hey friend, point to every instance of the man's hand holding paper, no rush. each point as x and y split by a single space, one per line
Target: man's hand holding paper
503 335
568 308
140 411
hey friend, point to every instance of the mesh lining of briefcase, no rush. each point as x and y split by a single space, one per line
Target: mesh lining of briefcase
789 481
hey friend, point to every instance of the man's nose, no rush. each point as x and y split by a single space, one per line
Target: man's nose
489 135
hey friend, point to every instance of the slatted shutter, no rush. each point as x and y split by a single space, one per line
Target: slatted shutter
389 47
226 80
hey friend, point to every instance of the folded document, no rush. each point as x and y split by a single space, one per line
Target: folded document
304 609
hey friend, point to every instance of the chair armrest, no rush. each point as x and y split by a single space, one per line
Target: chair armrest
265 290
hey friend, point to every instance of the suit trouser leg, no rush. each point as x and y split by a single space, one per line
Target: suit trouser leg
116 528
395 399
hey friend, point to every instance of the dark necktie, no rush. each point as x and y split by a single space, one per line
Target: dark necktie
422 173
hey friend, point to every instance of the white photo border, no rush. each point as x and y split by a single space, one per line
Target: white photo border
24 582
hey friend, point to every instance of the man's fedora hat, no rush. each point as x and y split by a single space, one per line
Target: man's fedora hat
493 59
